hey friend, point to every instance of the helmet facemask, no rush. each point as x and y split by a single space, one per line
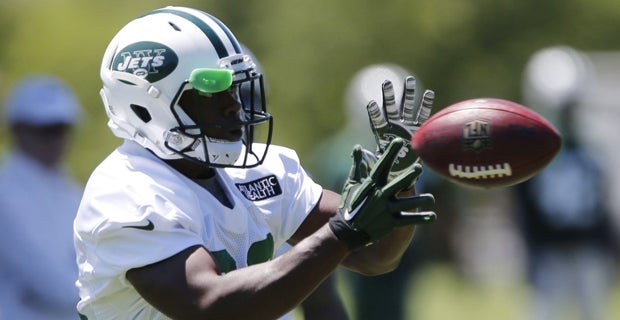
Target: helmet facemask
190 140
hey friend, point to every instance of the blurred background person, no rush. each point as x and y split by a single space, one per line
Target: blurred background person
325 302
38 202
564 211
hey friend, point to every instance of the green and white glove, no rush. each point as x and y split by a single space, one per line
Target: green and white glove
402 121
369 208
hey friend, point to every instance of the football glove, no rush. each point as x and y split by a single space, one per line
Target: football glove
369 208
402 121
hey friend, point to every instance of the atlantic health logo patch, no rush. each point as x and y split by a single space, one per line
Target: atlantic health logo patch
149 60
260 189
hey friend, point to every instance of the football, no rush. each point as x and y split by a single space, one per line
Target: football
486 143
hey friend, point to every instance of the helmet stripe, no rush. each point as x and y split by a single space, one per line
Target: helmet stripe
219 46
226 30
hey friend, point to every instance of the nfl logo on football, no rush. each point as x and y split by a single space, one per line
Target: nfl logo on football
477 135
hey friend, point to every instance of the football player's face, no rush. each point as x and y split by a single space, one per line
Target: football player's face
219 114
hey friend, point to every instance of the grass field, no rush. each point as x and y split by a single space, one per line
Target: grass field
440 293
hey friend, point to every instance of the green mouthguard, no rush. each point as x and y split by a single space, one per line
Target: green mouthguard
207 80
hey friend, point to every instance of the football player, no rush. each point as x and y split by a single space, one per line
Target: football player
182 219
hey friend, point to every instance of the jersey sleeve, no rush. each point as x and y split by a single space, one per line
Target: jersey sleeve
121 228
120 246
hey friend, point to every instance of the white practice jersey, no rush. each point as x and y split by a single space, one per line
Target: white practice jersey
137 210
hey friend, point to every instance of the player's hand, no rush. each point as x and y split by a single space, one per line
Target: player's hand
369 208
402 121
367 162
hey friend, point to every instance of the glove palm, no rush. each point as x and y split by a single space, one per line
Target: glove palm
402 121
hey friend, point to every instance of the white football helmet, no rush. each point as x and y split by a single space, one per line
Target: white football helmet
154 59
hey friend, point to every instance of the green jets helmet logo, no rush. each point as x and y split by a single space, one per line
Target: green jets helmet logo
149 60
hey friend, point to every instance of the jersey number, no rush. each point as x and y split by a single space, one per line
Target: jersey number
259 251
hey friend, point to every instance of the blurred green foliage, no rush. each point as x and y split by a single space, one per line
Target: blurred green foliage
309 50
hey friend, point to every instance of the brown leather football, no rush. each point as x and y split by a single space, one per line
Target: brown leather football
486 143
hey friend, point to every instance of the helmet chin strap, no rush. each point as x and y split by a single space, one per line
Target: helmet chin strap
223 152
218 152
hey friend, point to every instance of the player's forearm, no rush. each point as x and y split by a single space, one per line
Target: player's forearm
383 256
269 290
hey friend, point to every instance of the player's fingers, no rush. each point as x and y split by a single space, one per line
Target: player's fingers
377 121
410 110
403 180
355 173
407 218
427 104
411 204
389 102
382 168
368 161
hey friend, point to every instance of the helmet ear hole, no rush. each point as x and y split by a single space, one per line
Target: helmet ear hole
141 112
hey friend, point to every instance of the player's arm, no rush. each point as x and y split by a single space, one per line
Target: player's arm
189 286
